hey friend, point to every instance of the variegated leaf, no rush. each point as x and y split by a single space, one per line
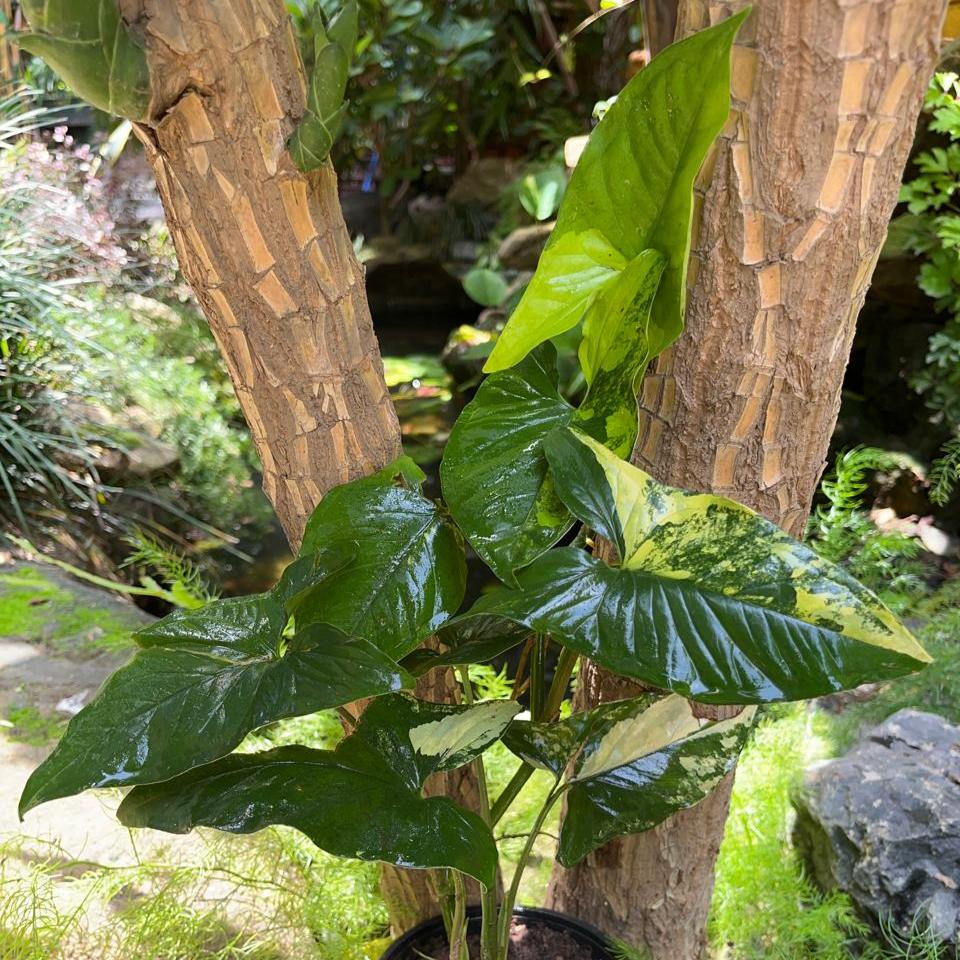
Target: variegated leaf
643 763
711 600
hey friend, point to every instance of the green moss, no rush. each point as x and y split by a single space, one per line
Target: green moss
37 609
28 725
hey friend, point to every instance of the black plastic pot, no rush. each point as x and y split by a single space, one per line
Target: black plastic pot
595 945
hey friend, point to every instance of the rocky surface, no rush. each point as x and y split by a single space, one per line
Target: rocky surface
883 823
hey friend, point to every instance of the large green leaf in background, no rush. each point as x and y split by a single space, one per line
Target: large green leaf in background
87 43
494 473
201 682
711 600
633 186
408 574
641 764
361 800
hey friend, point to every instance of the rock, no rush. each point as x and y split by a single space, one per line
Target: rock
148 457
936 541
481 184
573 149
883 823
521 249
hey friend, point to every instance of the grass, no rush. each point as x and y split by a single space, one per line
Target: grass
35 608
763 906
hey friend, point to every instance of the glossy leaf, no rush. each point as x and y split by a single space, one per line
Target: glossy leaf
712 600
203 680
321 123
641 764
551 746
361 800
633 189
472 641
87 43
494 474
614 353
634 180
570 274
408 574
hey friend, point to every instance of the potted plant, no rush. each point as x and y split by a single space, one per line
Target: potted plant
694 596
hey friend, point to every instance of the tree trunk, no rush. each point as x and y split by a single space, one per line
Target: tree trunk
793 206
9 55
659 24
266 252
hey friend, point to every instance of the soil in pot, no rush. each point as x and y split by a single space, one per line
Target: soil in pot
534 935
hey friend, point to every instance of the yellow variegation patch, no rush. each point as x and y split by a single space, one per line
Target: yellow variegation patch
727 548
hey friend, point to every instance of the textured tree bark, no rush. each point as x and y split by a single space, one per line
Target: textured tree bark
266 252
659 24
792 211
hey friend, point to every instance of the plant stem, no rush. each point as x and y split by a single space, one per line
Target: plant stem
538 666
489 947
458 922
509 901
561 677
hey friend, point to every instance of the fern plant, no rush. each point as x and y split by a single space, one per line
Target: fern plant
843 532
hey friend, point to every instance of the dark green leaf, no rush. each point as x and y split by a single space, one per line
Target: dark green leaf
408 575
362 800
205 680
478 640
551 746
494 473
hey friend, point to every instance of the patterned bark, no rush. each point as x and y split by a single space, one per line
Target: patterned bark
792 210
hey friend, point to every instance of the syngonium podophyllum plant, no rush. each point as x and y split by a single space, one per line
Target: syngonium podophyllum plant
696 597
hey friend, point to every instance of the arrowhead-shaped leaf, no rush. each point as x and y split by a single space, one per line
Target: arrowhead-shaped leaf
203 680
641 764
494 473
408 573
711 600
633 186
361 800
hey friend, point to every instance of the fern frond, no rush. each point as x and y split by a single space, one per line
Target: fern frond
945 472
